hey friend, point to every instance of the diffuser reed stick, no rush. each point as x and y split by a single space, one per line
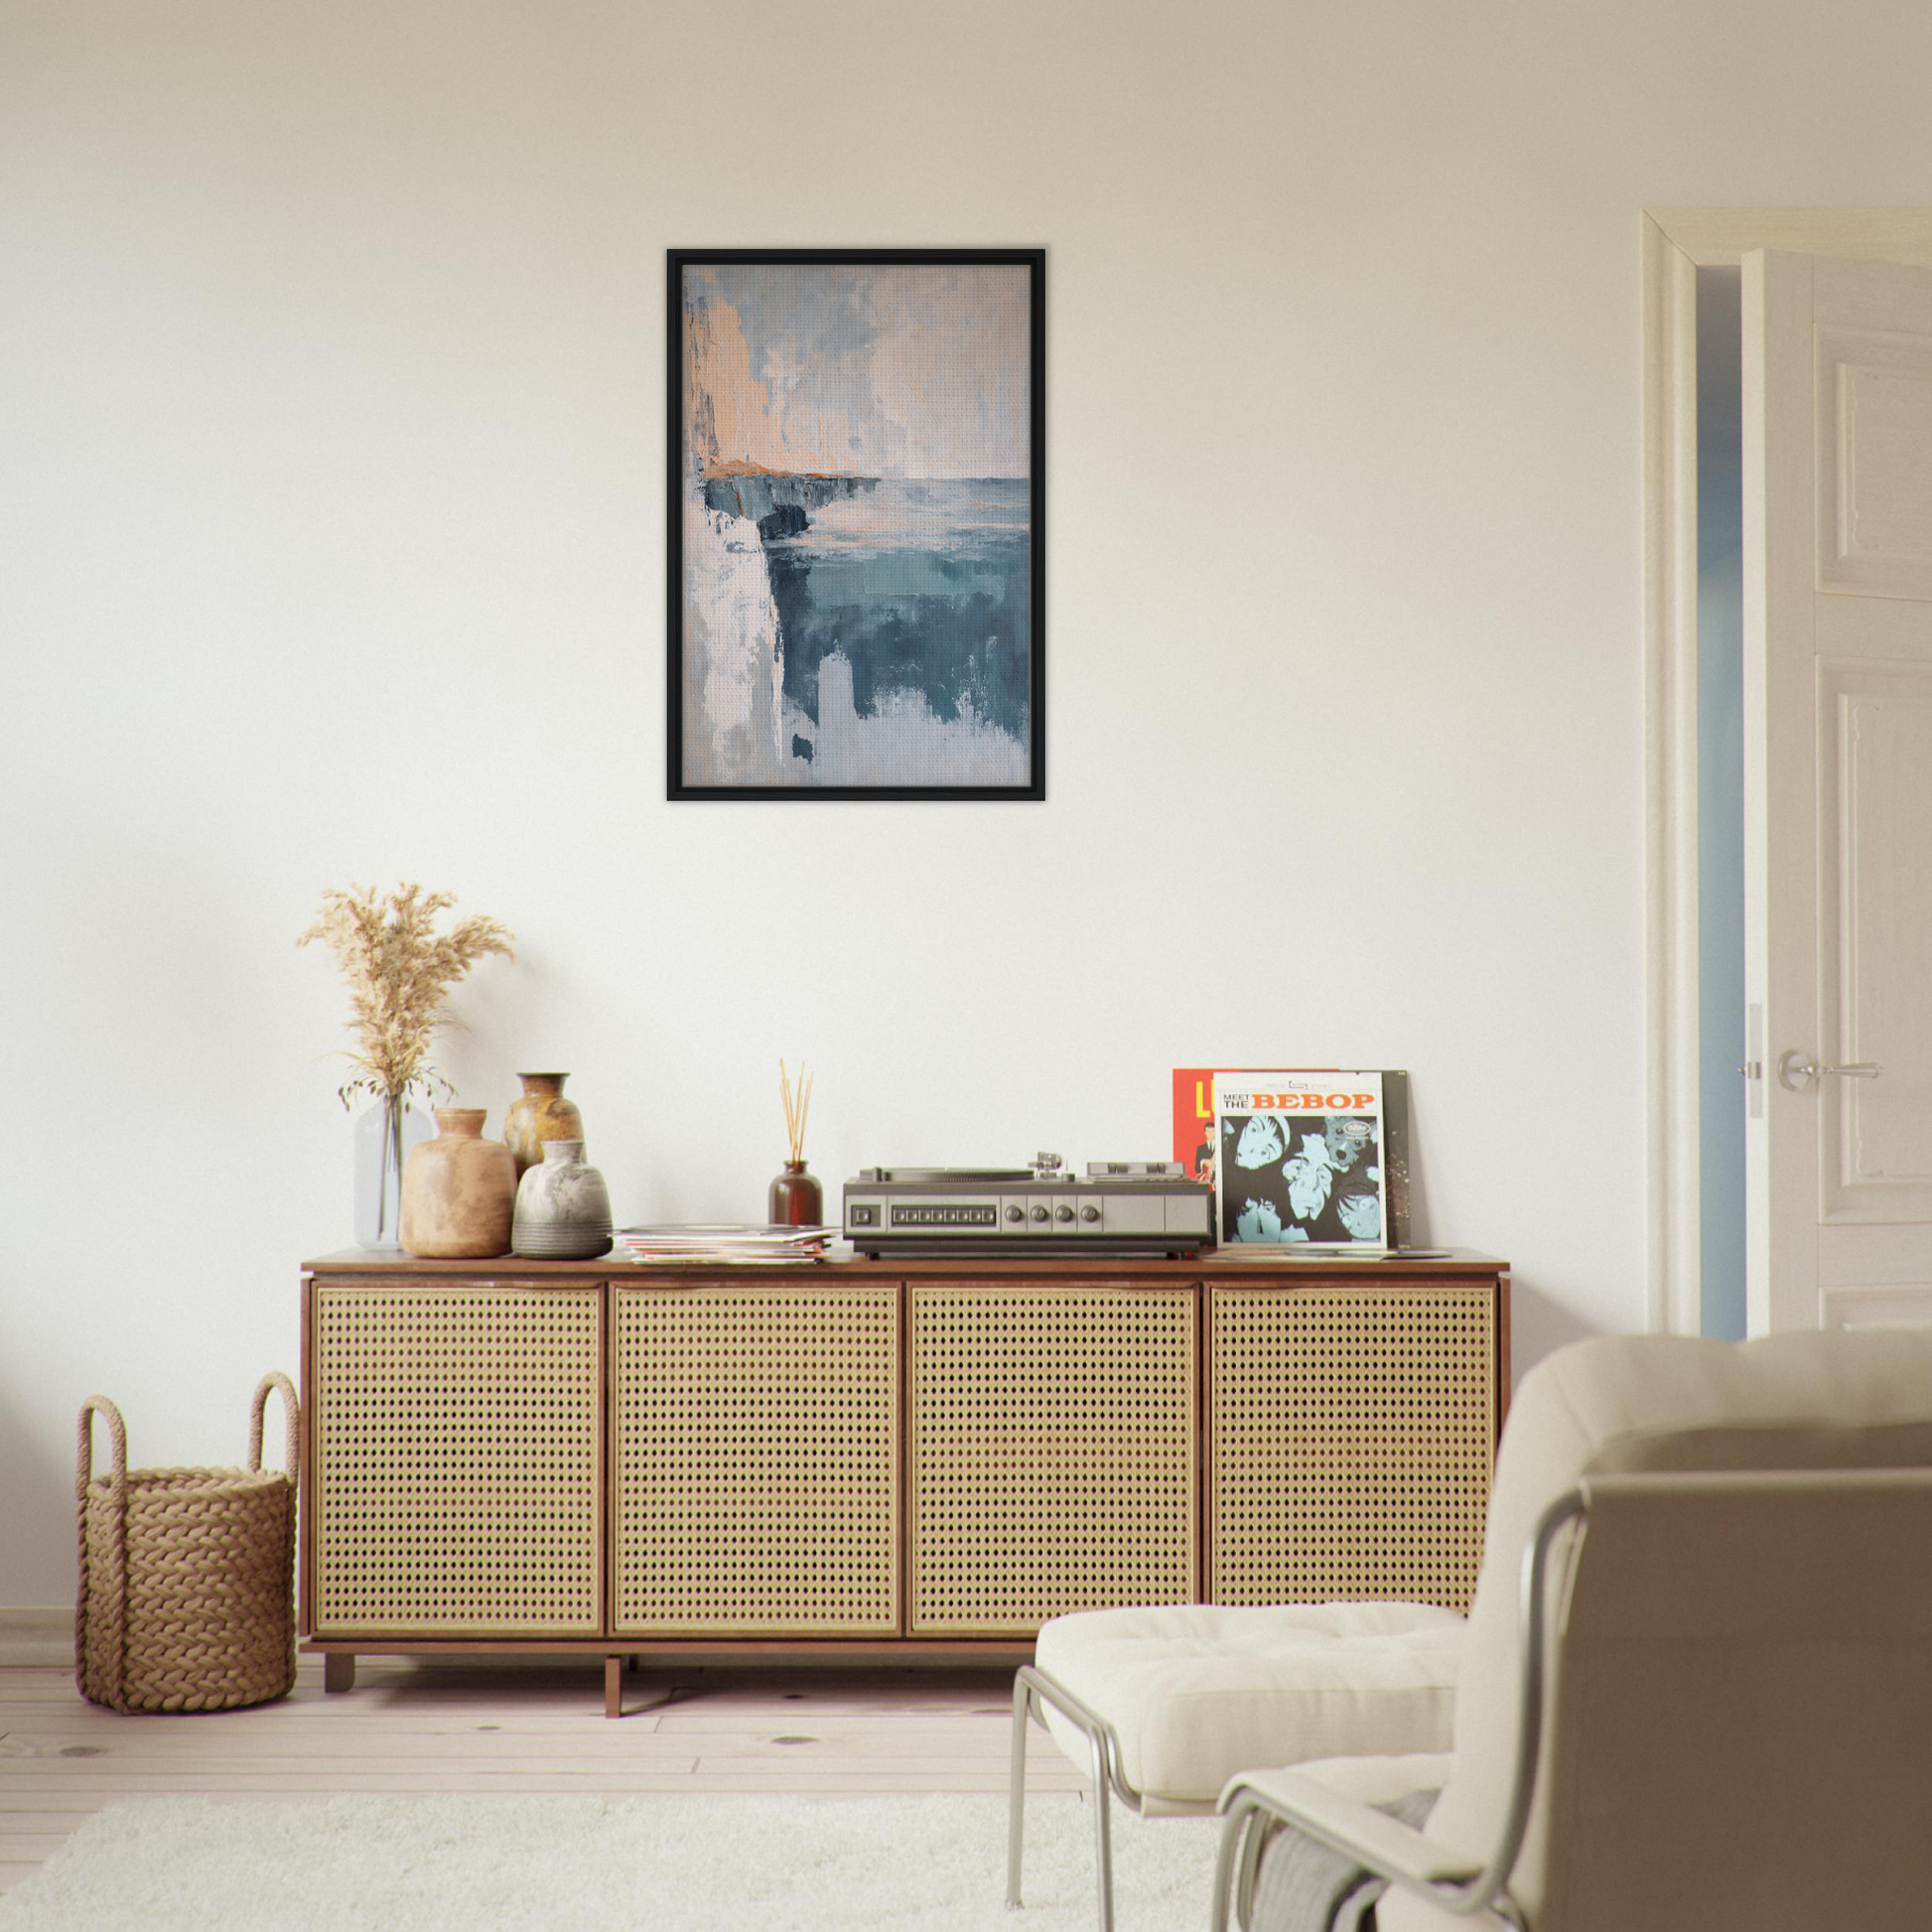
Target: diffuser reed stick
797 1104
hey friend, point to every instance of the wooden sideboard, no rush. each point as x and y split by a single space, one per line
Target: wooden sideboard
880 1459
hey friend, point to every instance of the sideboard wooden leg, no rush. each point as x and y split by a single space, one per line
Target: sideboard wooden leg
338 1670
613 1687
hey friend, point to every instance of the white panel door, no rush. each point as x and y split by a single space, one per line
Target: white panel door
1838 778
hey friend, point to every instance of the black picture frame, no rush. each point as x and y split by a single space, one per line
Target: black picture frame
680 483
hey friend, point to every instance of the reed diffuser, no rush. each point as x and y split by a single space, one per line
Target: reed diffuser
795 1200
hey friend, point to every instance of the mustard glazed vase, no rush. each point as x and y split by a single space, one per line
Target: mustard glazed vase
540 1113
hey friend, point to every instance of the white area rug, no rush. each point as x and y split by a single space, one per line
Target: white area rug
764 1864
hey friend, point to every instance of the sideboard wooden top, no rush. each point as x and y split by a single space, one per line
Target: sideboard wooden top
1216 1264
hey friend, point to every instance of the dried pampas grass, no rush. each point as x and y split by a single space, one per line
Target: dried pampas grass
398 969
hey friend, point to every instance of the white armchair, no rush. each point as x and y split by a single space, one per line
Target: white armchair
1160 1706
1697 1684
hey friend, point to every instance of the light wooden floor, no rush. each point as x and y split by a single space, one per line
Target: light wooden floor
509 1729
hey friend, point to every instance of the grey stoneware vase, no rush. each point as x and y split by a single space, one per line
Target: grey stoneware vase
562 1209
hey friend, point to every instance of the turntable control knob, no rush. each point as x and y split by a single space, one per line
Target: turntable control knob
1014 1212
1039 1214
1089 1213
1063 1212
1048 1162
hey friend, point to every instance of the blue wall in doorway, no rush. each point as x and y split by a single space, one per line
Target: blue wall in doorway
1720 799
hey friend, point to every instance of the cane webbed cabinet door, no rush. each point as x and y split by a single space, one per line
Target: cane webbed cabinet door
1053 1465
756 1431
457 1458
1351 1436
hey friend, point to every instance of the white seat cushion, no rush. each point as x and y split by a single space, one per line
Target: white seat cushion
1379 1780
1198 1692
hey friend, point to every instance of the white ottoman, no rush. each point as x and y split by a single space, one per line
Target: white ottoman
1165 1704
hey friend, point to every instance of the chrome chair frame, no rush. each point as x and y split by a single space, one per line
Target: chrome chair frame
1031 1689
1253 1816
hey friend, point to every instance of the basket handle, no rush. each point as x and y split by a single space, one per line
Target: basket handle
112 1639
118 1433
291 1409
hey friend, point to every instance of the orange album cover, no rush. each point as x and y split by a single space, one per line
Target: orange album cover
1193 1112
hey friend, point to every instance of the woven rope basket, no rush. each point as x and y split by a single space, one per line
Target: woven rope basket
187 1576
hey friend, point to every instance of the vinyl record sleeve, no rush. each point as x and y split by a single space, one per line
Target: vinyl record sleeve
1196 1147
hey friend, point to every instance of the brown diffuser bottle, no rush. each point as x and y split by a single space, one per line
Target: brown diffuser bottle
795 1199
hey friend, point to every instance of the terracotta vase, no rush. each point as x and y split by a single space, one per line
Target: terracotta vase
540 1114
795 1199
562 1209
459 1190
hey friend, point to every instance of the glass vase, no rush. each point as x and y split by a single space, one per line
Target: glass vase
384 1135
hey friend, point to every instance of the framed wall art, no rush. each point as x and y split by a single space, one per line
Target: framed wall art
856 527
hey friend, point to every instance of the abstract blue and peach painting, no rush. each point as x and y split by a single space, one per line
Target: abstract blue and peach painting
854 539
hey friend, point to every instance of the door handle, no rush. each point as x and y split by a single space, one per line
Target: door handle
1797 1070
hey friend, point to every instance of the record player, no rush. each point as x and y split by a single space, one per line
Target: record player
1132 1207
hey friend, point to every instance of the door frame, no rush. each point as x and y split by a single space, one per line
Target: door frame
1675 242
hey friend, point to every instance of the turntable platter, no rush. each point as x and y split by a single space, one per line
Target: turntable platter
936 1175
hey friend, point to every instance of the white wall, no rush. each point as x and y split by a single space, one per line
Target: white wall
331 444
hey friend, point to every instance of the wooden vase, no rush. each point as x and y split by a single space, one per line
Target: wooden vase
459 1190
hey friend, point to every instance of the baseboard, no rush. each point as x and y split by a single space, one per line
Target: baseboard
43 1635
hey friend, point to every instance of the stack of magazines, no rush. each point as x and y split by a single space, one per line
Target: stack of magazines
698 1241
